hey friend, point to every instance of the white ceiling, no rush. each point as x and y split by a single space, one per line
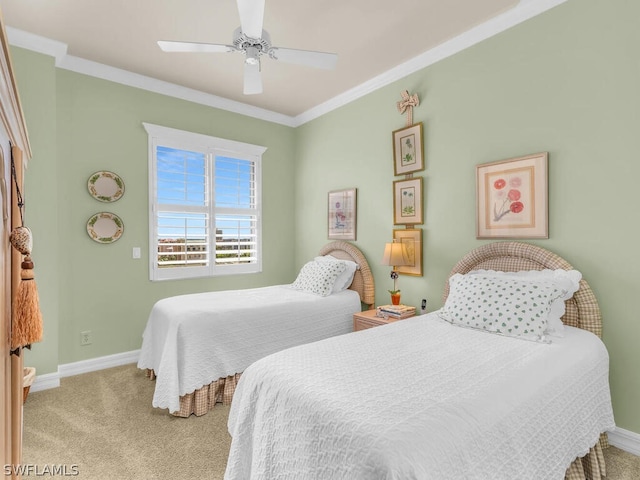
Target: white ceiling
373 39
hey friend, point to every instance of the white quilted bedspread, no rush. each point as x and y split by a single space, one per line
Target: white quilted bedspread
421 399
192 340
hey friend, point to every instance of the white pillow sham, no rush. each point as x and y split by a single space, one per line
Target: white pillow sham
318 277
567 280
345 278
507 306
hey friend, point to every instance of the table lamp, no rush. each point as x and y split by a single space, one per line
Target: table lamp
395 255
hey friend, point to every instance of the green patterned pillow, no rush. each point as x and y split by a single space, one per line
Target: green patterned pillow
516 308
316 277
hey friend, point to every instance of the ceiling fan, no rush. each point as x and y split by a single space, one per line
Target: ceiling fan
252 41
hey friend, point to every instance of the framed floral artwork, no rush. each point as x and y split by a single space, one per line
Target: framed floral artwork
342 210
407 150
512 198
407 201
412 239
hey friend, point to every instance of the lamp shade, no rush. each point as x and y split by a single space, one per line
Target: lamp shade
395 254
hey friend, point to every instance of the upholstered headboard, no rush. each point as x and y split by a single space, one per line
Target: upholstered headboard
582 309
363 278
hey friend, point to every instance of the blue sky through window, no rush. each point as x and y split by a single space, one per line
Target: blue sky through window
182 180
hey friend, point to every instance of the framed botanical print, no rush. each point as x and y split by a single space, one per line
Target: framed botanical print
512 198
412 239
407 201
408 150
342 211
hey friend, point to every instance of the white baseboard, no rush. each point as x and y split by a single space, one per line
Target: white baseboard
100 363
52 380
45 382
625 440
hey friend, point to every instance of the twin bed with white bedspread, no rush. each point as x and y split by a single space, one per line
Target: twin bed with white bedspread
190 344
418 399
447 395
196 346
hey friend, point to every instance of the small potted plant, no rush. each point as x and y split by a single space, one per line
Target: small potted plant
395 293
395 297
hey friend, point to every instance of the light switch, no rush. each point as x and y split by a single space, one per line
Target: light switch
136 252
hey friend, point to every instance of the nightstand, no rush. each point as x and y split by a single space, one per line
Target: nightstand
368 319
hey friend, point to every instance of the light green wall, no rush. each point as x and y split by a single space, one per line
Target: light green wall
565 82
37 85
79 125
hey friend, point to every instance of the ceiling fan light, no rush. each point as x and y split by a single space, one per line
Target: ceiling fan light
252 56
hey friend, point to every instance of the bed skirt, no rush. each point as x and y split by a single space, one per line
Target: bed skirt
205 398
589 467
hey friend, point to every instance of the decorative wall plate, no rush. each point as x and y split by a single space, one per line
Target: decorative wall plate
105 227
105 186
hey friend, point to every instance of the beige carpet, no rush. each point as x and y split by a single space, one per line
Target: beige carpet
103 422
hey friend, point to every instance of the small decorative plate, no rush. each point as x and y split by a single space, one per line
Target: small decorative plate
105 227
105 186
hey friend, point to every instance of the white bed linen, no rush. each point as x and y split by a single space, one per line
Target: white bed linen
421 399
192 340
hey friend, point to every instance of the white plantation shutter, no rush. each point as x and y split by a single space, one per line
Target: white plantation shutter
182 212
236 214
205 209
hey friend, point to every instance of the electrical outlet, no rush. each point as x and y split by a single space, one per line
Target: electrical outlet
86 337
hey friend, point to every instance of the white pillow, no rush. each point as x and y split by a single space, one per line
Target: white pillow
345 278
318 277
508 306
567 280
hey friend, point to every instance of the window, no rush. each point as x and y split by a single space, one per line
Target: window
204 205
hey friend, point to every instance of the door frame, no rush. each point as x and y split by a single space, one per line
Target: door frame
13 127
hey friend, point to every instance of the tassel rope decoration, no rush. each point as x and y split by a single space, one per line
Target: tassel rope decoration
27 317
26 322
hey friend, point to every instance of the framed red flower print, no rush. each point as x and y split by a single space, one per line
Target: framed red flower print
512 198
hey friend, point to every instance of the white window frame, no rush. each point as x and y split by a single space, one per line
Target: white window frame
211 146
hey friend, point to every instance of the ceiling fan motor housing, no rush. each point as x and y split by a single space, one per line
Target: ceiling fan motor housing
242 42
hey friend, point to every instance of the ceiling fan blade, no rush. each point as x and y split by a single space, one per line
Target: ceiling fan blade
169 46
251 17
326 61
252 79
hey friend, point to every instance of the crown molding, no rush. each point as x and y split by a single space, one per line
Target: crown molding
143 82
523 11
36 43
